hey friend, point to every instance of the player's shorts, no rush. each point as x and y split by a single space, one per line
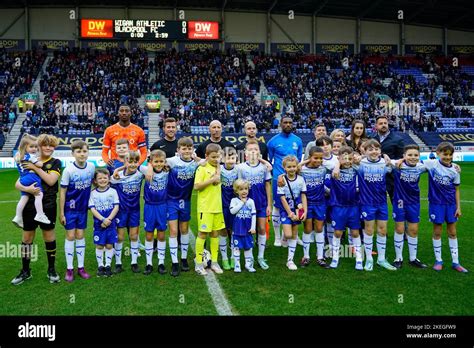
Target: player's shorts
243 242
343 217
261 213
154 217
208 222
410 213
317 212
30 179
103 236
128 219
374 212
29 213
228 218
441 213
75 219
179 210
285 219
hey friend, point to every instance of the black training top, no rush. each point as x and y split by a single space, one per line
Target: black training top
169 147
52 165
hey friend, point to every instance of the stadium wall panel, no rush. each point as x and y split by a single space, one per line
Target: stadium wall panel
335 30
53 24
17 31
423 35
298 28
377 33
245 27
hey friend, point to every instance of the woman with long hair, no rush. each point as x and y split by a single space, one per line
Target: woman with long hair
358 132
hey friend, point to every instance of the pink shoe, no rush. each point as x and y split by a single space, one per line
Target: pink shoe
438 266
82 273
459 268
69 275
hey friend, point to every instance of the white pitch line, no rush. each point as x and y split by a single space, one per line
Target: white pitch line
221 303
8 202
462 201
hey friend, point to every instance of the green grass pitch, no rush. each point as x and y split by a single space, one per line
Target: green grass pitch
310 291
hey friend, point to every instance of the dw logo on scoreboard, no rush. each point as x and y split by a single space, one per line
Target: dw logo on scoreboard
203 30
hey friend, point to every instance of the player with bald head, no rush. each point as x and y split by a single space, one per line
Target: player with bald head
215 130
251 133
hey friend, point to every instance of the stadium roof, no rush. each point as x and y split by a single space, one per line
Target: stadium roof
453 14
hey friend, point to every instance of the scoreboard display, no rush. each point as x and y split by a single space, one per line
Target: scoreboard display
148 29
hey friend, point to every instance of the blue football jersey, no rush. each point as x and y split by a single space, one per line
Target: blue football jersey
257 176
228 176
406 182
104 202
298 186
282 145
115 165
442 182
78 182
155 192
372 182
181 178
344 190
29 157
129 188
245 218
315 179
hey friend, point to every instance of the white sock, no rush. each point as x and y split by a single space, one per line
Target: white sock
437 249
276 222
349 237
184 245
161 252
109 254
223 247
99 256
381 246
237 258
320 245
398 241
248 258
149 252
69 251
291 249
453 246
368 246
357 246
174 249
306 244
336 246
21 205
412 246
262 240
134 251
329 233
118 253
80 252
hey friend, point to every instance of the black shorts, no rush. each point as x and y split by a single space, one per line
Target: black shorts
29 222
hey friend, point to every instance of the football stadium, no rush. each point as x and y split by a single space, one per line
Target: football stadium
233 158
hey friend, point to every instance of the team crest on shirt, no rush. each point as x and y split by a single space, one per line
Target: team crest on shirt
133 133
48 166
295 146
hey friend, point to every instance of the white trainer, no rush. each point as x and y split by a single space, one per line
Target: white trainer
18 221
42 218
284 243
277 243
216 268
200 269
291 266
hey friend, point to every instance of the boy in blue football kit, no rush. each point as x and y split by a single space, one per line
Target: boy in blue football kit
444 202
104 205
74 196
155 215
128 183
121 147
245 222
344 202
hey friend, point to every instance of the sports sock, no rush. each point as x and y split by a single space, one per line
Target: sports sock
99 256
174 249
26 255
21 205
437 249
184 245
80 252
199 249
306 244
109 254
398 241
336 246
381 246
291 249
412 246
134 251
161 252
118 253
453 246
69 251
368 246
39 203
236 255
248 257
262 240
329 233
320 245
357 246
149 252
276 222
214 249
349 238
223 247
51 253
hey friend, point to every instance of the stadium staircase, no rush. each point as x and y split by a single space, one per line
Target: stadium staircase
418 141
